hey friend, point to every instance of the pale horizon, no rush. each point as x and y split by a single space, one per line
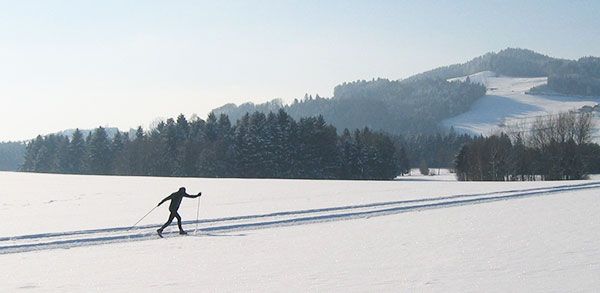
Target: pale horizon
68 65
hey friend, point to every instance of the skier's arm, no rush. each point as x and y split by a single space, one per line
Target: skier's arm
165 199
193 196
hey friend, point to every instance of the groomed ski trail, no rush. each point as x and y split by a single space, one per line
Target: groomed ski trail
43 241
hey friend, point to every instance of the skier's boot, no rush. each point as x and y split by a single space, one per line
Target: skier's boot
182 232
159 231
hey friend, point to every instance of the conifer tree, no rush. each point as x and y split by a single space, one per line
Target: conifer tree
99 154
77 151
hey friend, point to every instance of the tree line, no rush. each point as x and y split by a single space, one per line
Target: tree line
433 150
259 145
510 62
393 106
420 150
581 77
570 77
552 148
11 155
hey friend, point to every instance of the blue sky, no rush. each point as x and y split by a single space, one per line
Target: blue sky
66 64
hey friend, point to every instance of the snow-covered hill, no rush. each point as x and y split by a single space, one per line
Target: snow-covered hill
506 102
69 233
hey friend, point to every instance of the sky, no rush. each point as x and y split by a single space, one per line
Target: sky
68 64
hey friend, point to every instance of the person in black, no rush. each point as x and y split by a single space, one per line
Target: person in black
175 198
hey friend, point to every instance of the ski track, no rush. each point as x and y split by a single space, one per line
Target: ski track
65 240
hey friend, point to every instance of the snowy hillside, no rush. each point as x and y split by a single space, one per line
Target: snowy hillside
69 233
506 103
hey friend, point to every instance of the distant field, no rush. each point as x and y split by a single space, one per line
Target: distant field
506 103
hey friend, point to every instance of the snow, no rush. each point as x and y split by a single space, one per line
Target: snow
43 203
506 103
435 174
299 235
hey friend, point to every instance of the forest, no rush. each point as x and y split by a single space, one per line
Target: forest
429 150
553 148
11 155
569 77
434 150
407 112
419 103
395 107
259 145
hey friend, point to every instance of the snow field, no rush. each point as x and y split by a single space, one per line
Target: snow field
506 103
45 203
405 235
69 239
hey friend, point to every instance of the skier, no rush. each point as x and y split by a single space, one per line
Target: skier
175 198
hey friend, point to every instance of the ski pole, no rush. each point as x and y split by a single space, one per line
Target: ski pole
142 218
197 216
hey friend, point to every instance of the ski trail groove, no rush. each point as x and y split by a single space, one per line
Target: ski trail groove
70 239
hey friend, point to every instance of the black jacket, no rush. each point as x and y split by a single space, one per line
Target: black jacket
176 198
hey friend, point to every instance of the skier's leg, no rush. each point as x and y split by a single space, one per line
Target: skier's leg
171 217
181 231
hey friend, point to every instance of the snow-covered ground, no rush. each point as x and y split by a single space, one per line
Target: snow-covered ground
507 103
435 174
69 233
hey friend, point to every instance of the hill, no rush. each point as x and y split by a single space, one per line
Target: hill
420 103
510 101
571 77
390 105
509 62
